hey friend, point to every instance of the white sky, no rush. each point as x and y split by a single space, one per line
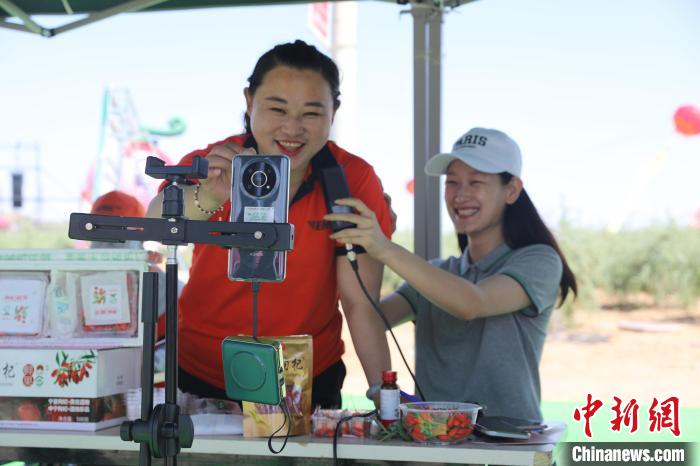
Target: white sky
588 89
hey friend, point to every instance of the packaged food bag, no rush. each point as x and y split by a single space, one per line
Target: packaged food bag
261 420
22 301
107 302
62 306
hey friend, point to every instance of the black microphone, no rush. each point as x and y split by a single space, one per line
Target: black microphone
335 186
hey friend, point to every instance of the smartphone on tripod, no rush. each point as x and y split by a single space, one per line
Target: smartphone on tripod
259 193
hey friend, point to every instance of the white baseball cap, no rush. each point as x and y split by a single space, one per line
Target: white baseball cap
485 150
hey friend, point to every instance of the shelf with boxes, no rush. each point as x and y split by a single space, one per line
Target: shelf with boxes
70 332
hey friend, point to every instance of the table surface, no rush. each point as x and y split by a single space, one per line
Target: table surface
537 451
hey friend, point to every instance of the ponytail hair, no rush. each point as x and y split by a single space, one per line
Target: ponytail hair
523 226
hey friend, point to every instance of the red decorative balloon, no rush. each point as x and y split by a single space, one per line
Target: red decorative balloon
687 120
409 186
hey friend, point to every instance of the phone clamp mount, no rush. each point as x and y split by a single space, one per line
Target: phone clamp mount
162 430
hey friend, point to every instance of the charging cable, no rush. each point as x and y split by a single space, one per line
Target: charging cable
288 421
352 257
283 402
338 428
350 254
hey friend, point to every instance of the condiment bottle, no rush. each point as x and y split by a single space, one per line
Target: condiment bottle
389 399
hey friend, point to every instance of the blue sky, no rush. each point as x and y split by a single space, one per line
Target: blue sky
588 89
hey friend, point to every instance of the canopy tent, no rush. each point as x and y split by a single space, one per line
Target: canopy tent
427 46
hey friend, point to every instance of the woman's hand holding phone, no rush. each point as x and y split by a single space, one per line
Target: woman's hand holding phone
216 188
367 232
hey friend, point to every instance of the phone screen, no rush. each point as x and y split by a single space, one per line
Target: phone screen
260 194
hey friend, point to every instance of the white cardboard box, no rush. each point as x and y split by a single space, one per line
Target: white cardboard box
68 372
74 260
82 426
87 414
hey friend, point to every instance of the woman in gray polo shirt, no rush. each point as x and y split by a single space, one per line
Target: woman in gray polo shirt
481 319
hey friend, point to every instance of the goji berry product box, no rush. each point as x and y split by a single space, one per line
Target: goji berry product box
68 372
77 298
70 335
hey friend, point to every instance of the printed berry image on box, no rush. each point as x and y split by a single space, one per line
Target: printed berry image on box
22 296
69 372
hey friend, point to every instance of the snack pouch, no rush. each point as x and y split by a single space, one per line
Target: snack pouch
261 420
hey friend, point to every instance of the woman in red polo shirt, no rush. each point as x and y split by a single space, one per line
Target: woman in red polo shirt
292 97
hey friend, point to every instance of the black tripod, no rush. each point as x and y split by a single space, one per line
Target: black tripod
162 431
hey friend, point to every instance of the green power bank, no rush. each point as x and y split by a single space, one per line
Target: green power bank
253 369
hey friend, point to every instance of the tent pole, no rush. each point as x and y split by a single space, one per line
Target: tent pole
31 26
434 112
344 51
15 27
134 5
426 126
14 10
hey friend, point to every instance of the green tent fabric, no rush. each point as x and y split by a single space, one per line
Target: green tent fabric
50 7
101 9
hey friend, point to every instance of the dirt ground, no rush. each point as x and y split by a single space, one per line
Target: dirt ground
640 354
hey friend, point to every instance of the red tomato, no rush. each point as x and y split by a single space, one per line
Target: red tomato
418 435
411 419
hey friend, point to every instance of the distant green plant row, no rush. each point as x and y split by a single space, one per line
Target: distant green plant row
661 262
26 234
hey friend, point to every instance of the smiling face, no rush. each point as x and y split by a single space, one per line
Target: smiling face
291 113
476 201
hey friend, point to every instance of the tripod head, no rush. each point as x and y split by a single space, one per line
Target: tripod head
155 168
173 203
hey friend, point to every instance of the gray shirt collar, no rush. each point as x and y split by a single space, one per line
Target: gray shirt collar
485 262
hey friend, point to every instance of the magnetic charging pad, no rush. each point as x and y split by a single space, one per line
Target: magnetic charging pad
253 369
253 378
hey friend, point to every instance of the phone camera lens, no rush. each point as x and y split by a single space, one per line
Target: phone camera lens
259 179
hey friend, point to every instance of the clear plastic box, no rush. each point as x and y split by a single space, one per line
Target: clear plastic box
324 422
